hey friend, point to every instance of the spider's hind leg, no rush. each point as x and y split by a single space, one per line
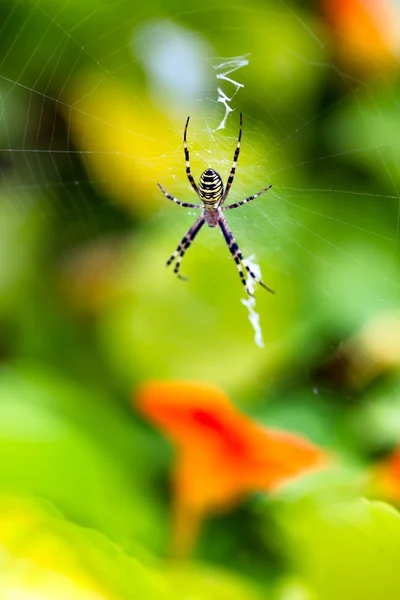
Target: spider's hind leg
234 250
254 276
184 244
238 257
177 264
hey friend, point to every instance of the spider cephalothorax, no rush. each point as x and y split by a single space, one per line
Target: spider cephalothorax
212 195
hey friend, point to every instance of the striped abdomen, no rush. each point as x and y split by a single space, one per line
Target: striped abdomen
211 188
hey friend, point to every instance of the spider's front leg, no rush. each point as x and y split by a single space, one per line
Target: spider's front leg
184 245
246 200
184 204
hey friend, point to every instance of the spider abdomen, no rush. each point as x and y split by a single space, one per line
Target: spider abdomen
211 188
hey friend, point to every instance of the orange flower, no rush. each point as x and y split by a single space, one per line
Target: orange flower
367 32
386 477
222 454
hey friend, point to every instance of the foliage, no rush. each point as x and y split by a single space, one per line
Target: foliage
96 336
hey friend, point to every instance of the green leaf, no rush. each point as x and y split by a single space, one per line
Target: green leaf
47 556
348 551
77 449
202 582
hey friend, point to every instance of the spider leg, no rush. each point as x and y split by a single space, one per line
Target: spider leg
254 276
234 250
184 204
238 256
249 199
235 159
187 160
184 245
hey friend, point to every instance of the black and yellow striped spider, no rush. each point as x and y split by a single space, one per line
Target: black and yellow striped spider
212 196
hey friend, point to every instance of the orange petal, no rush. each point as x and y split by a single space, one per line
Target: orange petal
222 453
286 455
386 477
367 32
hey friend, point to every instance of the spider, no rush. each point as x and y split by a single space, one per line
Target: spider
212 196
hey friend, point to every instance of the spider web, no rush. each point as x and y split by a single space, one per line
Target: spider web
93 99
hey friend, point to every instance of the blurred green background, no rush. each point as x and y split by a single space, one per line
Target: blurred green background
93 101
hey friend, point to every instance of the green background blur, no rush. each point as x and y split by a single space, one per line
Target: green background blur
93 100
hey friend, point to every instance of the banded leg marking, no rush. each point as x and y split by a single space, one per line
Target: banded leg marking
184 245
187 160
254 276
184 204
235 159
238 257
234 250
249 199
